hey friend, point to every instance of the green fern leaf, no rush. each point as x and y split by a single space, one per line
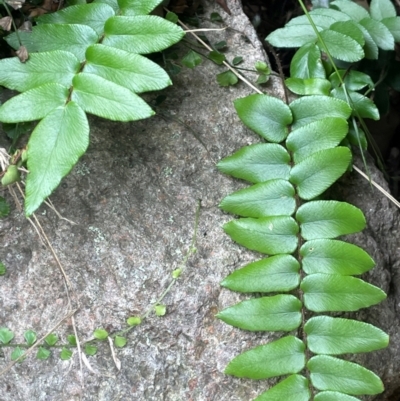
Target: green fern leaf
331 13
307 63
393 24
132 71
351 29
143 34
308 109
294 388
317 135
341 46
379 33
112 3
309 86
270 235
329 219
280 357
266 115
138 7
47 37
329 373
362 106
280 312
352 9
258 163
354 80
92 14
293 36
55 146
273 274
321 21
270 198
371 48
331 293
318 172
328 335
334 396
334 257
381 9
43 68
105 99
99 71
34 104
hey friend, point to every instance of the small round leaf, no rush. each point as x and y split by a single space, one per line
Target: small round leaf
6 335
176 273
134 321
65 354
17 353
30 337
120 341
100 334
43 353
160 310
90 349
71 339
51 339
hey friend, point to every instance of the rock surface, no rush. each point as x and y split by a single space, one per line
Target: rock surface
134 197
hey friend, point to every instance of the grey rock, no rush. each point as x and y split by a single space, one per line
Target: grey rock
134 196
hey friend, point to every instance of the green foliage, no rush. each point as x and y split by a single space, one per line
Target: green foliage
3 269
100 334
4 207
280 216
191 59
30 337
160 310
51 339
215 17
358 40
90 349
227 78
348 30
237 60
120 341
65 354
217 57
83 59
43 353
71 340
134 321
6 335
17 353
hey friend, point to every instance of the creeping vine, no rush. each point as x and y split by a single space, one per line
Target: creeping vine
118 339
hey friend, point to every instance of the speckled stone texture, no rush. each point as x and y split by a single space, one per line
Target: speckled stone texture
134 196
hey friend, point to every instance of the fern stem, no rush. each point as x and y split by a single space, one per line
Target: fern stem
280 70
326 50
